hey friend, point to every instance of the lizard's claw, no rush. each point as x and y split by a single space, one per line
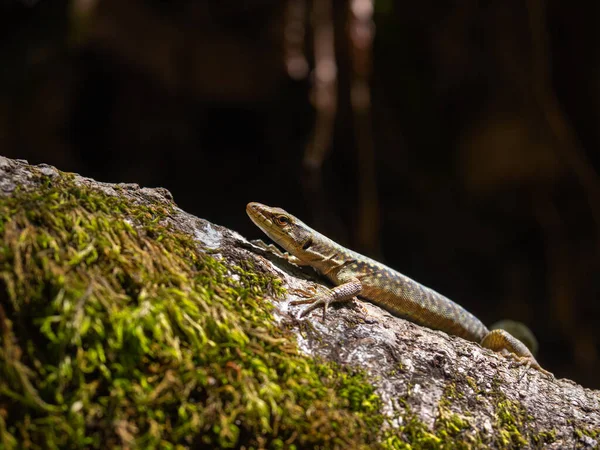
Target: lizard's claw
315 299
315 302
519 361
342 293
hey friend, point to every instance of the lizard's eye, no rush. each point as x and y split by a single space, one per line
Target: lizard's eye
283 220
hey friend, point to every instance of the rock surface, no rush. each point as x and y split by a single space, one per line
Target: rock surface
418 372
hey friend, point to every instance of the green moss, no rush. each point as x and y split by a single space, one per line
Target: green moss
452 427
581 432
473 384
411 433
510 421
449 431
116 331
451 394
545 437
514 427
399 368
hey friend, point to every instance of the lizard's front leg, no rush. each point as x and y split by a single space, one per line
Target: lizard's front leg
342 293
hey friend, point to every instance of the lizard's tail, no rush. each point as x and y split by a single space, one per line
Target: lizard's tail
520 331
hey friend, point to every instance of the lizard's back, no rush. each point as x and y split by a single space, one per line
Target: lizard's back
409 299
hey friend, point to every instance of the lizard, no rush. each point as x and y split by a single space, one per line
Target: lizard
354 274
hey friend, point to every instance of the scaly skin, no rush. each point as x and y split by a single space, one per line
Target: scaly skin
355 274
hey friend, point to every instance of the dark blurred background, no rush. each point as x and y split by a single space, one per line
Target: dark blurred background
455 141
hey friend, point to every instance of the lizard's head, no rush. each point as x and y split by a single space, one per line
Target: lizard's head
283 228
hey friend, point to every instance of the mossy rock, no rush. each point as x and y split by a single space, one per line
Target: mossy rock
115 330
119 329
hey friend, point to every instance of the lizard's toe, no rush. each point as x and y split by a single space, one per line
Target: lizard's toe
315 303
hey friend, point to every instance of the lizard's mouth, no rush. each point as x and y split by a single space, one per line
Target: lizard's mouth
256 213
